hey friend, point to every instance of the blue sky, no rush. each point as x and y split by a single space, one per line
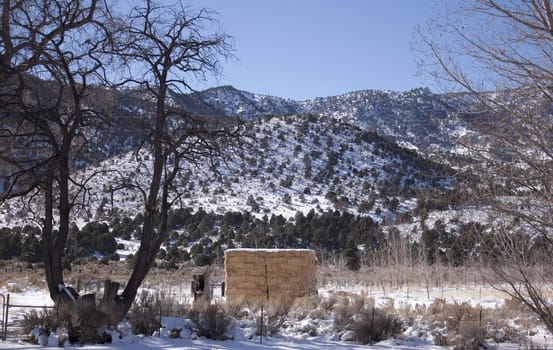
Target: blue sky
302 49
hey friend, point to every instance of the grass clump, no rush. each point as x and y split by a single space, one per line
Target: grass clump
213 321
82 323
46 320
145 314
85 323
368 323
463 323
374 325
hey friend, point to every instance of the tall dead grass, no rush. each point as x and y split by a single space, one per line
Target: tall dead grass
388 278
212 320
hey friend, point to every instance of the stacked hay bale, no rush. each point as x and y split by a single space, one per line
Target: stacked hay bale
245 276
258 275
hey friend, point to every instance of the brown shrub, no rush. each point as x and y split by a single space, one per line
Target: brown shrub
145 315
85 322
269 320
373 325
236 310
212 320
268 324
170 306
46 320
360 302
328 303
463 323
470 336
280 306
451 315
304 306
342 314
436 308
369 324
441 340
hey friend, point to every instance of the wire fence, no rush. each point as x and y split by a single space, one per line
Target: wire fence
14 306
13 311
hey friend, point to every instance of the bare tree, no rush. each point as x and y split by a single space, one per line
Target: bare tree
51 54
507 70
164 48
47 67
521 269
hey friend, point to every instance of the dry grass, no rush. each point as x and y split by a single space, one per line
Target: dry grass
462 326
306 306
145 314
358 313
89 277
45 319
81 320
388 278
268 324
466 325
21 274
373 325
85 321
511 320
212 320
461 321
451 315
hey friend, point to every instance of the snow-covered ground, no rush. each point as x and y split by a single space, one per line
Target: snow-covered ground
416 336
139 343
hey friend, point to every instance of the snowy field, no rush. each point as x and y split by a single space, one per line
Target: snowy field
417 336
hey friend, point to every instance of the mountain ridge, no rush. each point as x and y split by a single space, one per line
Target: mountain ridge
327 160
417 118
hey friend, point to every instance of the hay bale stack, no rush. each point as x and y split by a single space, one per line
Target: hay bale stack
255 275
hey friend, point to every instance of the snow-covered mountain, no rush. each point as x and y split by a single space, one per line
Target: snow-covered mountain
418 117
364 151
298 163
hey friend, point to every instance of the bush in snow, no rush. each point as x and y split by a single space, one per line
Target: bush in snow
269 321
373 325
144 316
82 321
470 336
268 324
358 316
46 320
213 321
462 322
85 322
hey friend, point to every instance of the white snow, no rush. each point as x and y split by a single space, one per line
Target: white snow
308 333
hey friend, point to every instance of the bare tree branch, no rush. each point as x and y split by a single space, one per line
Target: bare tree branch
508 71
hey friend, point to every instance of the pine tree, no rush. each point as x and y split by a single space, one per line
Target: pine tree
351 254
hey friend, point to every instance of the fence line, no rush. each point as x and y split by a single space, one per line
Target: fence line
178 289
4 323
6 305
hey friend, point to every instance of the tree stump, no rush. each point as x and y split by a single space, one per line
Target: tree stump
89 299
110 290
108 304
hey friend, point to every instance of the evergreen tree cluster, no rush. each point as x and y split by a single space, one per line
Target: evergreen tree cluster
201 237
20 243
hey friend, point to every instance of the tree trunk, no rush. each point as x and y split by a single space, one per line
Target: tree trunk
150 240
53 246
51 256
